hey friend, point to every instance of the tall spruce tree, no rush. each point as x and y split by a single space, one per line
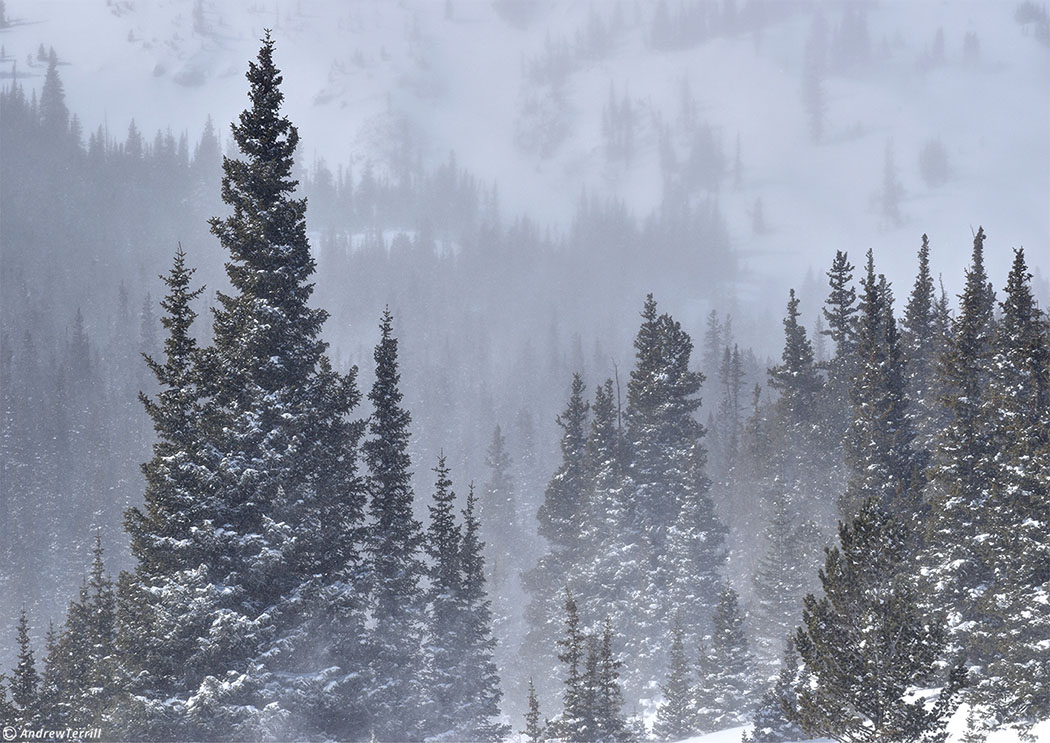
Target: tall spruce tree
725 694
572 723
1015 684
962 471
272 558
923 345
796 379
533 725
684 537
676 717
24 684
878 449
840 309
609 724
480 691
443 543
868 644
560 519
613 573
393 544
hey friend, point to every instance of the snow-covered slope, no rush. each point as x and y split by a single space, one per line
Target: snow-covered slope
519 88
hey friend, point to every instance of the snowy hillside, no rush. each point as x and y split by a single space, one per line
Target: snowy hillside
519 90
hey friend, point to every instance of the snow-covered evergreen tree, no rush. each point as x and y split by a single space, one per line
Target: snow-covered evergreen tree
445 628
24 684
868 644
676 717
796 378
963 471
1015 684
725 691
923 346
479 693
560 519
395 569
877 446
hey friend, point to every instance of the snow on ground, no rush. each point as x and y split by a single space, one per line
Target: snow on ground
956 728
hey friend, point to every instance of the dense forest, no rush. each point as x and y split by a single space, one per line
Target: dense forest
847 543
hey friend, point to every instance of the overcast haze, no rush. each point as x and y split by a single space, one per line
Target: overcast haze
511 178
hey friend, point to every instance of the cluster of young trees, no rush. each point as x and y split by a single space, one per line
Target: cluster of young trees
628 516
945 457
927 438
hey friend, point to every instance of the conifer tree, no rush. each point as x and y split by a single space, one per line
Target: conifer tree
1015 544
445 619
533 727
724 694
480 694
923 346
272 554
962 471
609 725
676 717
561 518
571 724
796 379
25 682
613 573
684 538
878 449
393 543
867 645
840 309
53 700
664 438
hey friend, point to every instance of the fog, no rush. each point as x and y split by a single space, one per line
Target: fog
511 178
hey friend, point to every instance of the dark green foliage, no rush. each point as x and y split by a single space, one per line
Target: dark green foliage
878 442
393 546
796 379
676 718
1015 685
480 693
572 723
662 433
533 727
445 621
840 310
867 643
962 469
609 725
24 685
248 545
563 503
725 693
923 342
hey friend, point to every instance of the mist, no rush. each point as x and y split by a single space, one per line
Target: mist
511 179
